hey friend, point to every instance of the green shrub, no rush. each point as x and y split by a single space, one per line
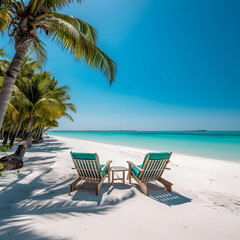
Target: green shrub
1 168
4 147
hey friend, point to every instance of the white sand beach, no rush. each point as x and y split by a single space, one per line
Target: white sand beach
34 203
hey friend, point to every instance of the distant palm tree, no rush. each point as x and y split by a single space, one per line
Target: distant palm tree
50 105
23 20
15 111
44 99
36 104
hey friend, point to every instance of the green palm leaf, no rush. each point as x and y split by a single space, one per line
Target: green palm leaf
73 40
38 49
24 19
81 26
58 4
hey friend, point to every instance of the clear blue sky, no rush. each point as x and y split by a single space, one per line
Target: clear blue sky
178 66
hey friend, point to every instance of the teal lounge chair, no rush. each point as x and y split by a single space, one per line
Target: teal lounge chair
151 169
89 169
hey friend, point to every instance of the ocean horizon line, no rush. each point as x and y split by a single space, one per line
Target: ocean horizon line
123 130
212 144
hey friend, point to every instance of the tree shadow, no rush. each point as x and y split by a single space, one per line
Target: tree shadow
86 191
48 147
44 194
50 201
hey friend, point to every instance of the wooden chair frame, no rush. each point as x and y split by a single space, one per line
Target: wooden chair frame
90 174
152 176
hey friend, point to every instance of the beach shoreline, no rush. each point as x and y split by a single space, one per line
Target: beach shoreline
35 203
147 149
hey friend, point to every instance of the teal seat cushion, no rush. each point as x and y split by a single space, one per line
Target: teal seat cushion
154 156
162 155
104 171
88 156
136 171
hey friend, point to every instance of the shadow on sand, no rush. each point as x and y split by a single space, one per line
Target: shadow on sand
42 194
38 191
160 194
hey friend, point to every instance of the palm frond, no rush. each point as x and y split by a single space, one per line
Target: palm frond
68 116
100 60
37 48
5 18
51 124
33 5
73 40
18 6
81 26
71 107
4 64
58 4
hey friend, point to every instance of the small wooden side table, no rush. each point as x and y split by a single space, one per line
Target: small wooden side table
118 169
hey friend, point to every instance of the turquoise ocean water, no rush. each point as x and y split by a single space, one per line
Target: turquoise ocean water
224 145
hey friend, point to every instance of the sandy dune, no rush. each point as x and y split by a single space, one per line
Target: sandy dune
34 203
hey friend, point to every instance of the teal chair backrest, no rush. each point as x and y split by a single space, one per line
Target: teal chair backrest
87 165
154 156
155 166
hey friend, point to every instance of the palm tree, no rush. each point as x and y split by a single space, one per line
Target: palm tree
51 105
42 103
23 22
44 99
36 103
18 100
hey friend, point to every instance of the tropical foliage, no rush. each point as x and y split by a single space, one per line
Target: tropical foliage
2 53
24 20
36 104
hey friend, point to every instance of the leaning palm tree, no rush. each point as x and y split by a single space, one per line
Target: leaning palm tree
39 102
24 21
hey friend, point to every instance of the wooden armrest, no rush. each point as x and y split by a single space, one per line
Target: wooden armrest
138 168
106 165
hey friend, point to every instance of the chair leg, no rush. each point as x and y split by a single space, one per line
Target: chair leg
100 185
129 173
109 177
141 185
166 184
74 183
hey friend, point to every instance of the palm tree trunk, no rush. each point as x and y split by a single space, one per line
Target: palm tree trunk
11 76
29 124
7 136
2 133
17 131
38 132
14 161
35 133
